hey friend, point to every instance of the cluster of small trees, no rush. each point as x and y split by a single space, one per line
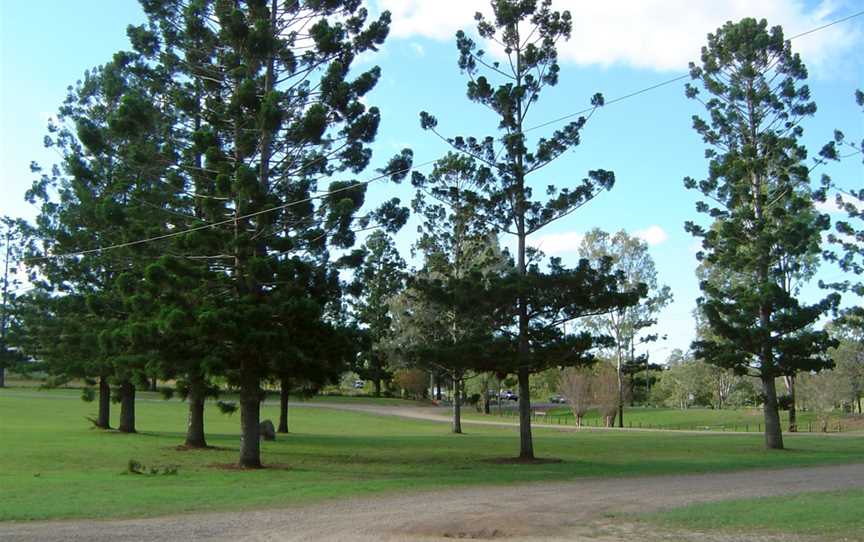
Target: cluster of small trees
596 387
687 382
187 233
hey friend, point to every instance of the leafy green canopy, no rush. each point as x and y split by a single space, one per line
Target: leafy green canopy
764 228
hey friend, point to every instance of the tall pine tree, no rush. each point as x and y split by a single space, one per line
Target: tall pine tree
272 110
761 207
526 35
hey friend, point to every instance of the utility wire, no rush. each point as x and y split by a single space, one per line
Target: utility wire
679 77
405 170
229 220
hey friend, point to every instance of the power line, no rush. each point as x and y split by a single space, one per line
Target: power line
824 26
610 102
229 220
404 170
678 78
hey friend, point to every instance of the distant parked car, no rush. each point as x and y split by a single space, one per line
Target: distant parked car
508 395
359 384
559 399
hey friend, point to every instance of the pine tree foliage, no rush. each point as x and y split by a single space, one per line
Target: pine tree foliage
848 234
761 207
109 132
198 162
509 81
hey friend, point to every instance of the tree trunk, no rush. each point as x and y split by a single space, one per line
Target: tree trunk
284 388
621 404
720 393
127 408
487 403
154 385
620 389
250 414
103 418
859 405
195 420
457 406
437 387
578 420
526 443
793 414
2 377
773 431
377 383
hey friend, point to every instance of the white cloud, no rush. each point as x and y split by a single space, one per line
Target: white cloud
370 57
653 235
557 243
830 206
660 35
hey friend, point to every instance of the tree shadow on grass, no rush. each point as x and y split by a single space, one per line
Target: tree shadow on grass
523 461
208 448
238 467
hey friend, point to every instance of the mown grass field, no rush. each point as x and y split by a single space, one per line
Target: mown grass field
833 514
53 465
700 419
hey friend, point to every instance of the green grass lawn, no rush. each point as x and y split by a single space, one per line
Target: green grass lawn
835 514
52 465
692 418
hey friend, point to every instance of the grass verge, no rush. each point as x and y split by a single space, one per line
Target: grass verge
834 514
54 466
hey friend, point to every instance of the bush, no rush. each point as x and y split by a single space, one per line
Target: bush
412 382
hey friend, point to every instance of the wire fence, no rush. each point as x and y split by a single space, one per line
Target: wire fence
551 418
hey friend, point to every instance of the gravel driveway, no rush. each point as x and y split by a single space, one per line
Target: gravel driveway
565 511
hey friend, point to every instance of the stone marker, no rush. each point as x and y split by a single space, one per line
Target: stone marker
268 432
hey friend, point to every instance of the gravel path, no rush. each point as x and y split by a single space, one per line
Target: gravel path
563 511
444 415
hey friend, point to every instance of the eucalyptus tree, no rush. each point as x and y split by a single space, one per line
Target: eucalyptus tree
849 358
271 111
630 256
761 207
509 82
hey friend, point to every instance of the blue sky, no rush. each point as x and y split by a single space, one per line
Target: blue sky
618 47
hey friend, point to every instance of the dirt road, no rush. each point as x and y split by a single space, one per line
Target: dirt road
568 511
444 415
